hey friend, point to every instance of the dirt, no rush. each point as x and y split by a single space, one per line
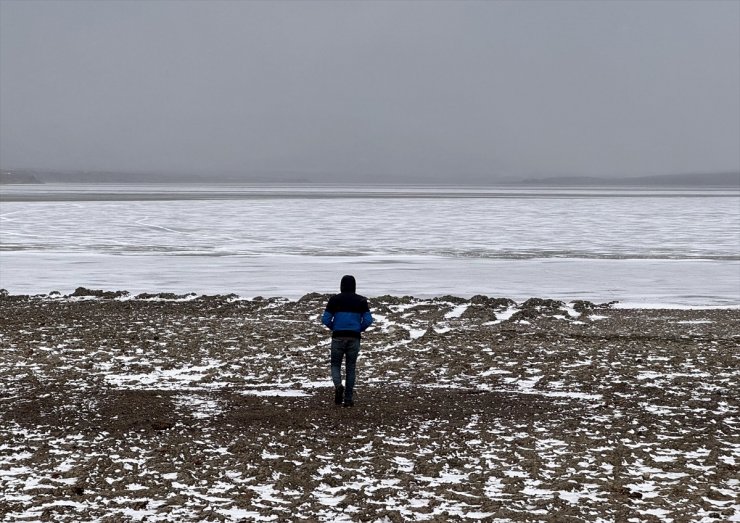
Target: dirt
184 408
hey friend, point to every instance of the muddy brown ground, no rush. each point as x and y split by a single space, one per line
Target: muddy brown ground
115 408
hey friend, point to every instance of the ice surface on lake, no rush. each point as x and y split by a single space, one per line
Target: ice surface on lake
678 247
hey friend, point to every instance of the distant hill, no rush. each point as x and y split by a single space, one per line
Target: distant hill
666 180
34 176
17 177
97 177
42 176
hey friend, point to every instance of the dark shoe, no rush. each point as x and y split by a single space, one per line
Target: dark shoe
338 395
349 403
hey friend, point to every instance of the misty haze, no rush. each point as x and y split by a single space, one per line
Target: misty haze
379 92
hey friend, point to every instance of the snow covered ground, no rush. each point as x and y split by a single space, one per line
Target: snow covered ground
220 409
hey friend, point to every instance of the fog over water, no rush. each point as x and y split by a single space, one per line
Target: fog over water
371 91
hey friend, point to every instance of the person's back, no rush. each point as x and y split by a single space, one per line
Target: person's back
347 314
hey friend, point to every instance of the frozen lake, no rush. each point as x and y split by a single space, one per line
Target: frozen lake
642 247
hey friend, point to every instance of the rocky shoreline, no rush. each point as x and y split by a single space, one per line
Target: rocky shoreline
164 407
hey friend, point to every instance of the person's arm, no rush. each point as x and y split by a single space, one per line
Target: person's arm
328 319
367 318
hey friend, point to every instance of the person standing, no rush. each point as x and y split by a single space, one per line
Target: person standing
347 314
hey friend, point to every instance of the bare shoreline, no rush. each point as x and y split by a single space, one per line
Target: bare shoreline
82 293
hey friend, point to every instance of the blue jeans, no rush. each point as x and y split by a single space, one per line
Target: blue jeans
341 347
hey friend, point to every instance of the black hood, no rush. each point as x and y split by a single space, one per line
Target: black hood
348 284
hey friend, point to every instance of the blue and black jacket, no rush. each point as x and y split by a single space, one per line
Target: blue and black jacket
347 314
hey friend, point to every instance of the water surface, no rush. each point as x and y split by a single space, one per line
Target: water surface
635 245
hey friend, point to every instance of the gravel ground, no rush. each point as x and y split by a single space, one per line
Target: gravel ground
185 408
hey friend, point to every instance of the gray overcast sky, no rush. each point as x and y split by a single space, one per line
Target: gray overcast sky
443 90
